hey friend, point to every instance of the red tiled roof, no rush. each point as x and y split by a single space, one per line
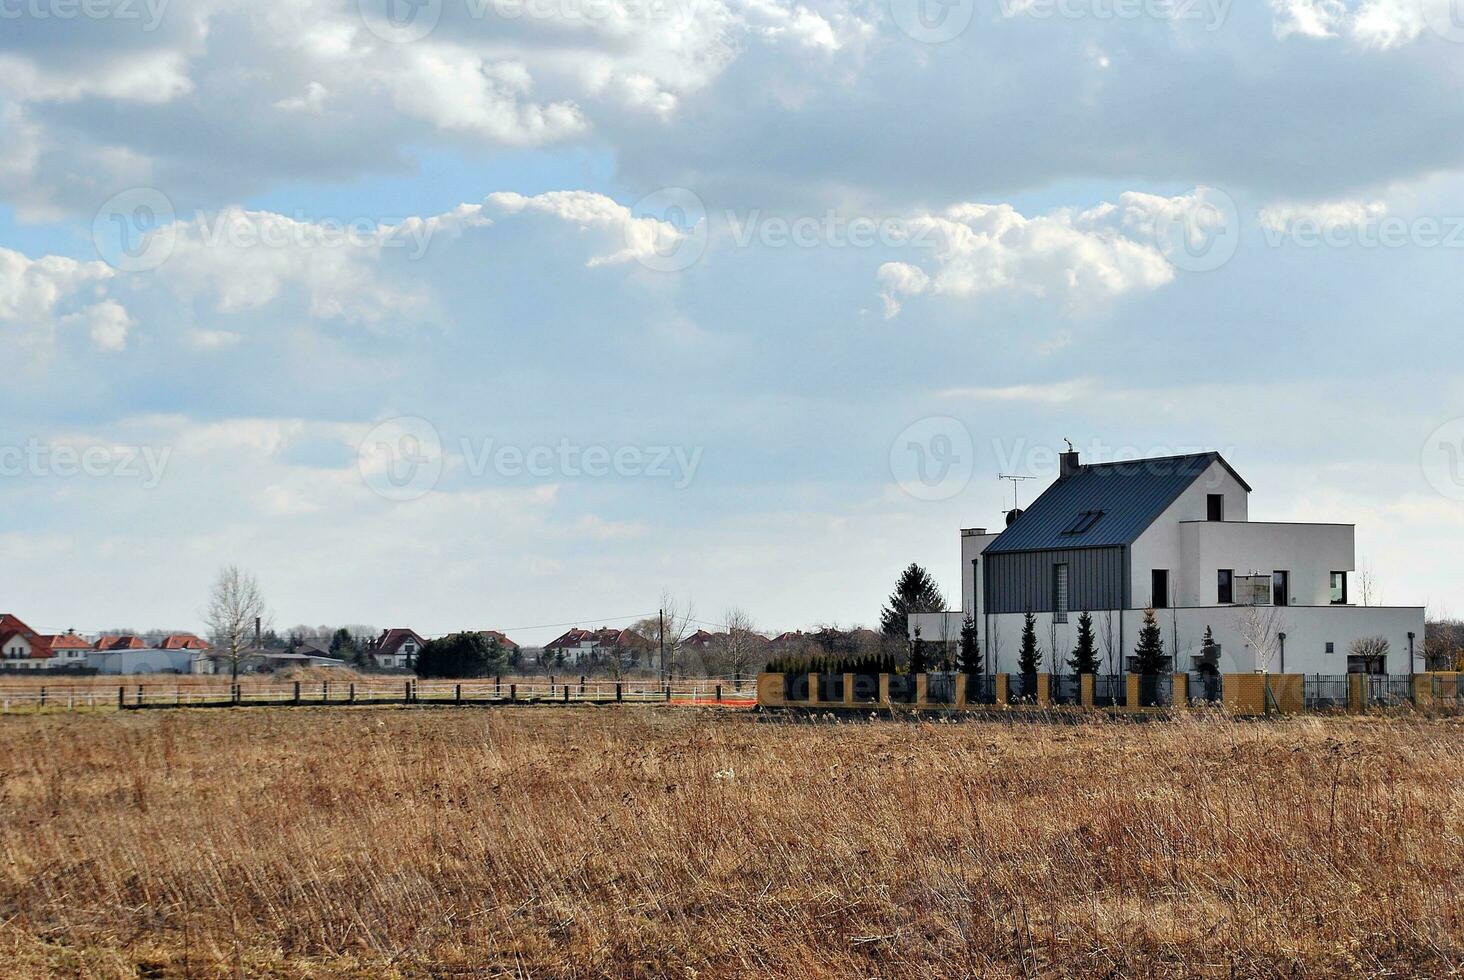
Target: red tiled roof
182 641
605 636
119 643
11 623
501 638
390 640
62 641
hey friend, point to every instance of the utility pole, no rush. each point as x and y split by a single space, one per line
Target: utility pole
661 633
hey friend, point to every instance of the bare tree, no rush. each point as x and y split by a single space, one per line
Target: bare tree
1373 651
993 646
1367 583
666 631
233 607
1261 628
743 647
1106 637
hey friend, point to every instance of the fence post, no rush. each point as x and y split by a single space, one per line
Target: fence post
582 685
457 694
42 702
407 693
668 693
139 694
1003 688
297 692
325 690
498 687
121 696
618 695
566 693
513 692
719 691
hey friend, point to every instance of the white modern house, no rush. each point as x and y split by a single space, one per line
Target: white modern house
1173 534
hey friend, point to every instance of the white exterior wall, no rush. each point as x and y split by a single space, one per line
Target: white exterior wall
1308 629
1309 553
972 587
150 661
1159 545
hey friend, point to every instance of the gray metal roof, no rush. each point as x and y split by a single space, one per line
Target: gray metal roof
1128 495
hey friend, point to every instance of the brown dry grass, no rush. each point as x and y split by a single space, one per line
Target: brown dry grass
612 842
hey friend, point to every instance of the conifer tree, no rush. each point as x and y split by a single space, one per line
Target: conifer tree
1085 655
1030 658
970 647
1149 654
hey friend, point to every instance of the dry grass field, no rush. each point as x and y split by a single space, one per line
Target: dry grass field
548 842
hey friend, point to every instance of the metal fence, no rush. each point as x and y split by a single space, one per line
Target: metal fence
1067 689
1389 689
1022 689
940 688
1206 688
1110 690
1155 690
1325 691
981 689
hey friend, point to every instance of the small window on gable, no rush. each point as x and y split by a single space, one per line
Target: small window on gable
1215 507
1083 522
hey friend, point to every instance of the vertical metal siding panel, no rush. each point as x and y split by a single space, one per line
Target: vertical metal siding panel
1020 582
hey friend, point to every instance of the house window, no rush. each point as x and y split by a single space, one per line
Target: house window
1280 588
1083 522
1159 588
1339 588
1225 586
1060 593
1215 507
1331 647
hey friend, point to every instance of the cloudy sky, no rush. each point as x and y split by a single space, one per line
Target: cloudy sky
507 313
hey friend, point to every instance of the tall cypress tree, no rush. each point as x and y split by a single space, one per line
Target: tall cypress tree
1030 657
1085 655
970 647
1149 654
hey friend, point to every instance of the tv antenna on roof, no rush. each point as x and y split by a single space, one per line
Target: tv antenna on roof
1016 481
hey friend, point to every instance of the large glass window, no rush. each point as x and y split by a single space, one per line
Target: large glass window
1280 588
1159 589
1215 507
1225 586
1060 593
1339 588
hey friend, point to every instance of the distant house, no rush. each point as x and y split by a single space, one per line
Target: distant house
593 646
67 650
112 643
503 641
314 648
395 649
183 641
22 648
1171 537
